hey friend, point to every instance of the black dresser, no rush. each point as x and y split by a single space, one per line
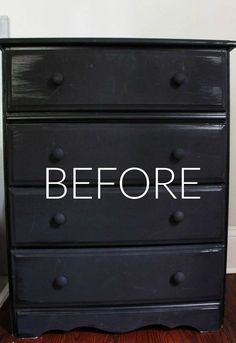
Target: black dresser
109 246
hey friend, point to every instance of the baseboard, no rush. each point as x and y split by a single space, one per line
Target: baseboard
4 290
231 258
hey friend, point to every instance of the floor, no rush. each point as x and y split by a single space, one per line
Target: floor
152 335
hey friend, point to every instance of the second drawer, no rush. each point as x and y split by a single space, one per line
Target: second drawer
31 148
114 219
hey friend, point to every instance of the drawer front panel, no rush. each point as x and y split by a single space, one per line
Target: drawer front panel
34 147
117 275
114 219
116 78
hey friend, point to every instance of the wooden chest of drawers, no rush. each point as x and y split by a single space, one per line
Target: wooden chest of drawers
115 263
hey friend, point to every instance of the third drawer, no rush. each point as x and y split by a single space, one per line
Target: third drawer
114 219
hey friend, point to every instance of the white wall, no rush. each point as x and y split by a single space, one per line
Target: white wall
206 19
129 18
3 262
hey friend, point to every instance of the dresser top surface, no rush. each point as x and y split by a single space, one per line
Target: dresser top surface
37 42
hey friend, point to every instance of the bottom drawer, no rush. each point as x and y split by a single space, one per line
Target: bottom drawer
102 276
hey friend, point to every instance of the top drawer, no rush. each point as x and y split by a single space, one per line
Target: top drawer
116 78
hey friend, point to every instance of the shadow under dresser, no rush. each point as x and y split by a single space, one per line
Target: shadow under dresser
132 136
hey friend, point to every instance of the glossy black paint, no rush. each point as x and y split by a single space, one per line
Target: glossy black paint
116 78
183 119
202 316
111 276
133 42
147 221
116 145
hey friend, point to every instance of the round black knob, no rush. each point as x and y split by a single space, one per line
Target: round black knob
178 278
178 154
57 154
59 219
178 216
57 78
60 281
179 79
